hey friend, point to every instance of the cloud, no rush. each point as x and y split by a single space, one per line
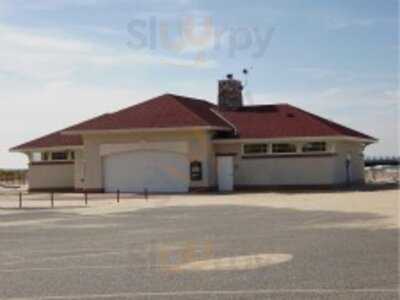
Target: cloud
51 5
55 5
314 72
339 24
46 73
28 40
34 111
43 56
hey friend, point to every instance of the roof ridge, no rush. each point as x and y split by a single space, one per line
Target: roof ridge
186 107
218 114
189 98
182 101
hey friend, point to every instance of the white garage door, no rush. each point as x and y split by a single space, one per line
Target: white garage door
152 170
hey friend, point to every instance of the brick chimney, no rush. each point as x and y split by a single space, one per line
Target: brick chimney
230 93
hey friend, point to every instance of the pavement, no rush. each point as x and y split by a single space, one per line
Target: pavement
242 246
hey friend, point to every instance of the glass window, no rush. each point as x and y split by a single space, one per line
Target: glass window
314 147
36 156
72 155
59 155
255 149
284 148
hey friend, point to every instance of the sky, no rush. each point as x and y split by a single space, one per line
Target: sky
64 61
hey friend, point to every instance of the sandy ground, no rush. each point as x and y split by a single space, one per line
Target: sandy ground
383 203
316 245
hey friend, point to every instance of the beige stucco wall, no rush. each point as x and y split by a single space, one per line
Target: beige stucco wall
199 148
79 171
304 170
51 176
355 150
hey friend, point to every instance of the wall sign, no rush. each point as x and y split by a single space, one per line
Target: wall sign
196 172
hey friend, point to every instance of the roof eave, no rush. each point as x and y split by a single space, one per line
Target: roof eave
41 149
302 138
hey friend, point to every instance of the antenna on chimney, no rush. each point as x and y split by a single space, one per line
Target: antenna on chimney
246 76
247 92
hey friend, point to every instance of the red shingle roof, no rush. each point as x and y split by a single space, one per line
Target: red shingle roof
172 111
166 111
284 120
55 139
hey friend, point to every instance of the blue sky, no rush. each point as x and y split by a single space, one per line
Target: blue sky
67 60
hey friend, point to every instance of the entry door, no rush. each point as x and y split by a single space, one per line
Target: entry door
225 173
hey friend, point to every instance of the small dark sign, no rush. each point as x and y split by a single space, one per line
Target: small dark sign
196 172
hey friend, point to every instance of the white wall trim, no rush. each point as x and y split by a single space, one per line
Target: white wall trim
47 149
295 139
177 147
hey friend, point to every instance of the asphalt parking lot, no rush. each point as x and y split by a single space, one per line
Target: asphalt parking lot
224 251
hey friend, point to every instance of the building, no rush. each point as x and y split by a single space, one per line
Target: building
172 144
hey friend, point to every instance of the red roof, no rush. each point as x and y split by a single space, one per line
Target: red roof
283 120
172 111
56 139
166 111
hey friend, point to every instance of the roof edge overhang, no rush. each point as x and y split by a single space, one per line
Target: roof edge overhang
135 130
219 115
41 149
308 138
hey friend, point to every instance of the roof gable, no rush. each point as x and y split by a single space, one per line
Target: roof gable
166 111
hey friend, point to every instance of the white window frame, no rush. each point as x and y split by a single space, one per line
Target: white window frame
67 158
315 152
38 156
329 149
284 153
267 152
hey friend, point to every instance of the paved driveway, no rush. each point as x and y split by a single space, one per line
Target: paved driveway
273 246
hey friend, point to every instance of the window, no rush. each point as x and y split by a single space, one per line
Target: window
36 157
314 147
72 155
59 155
254 149
284 148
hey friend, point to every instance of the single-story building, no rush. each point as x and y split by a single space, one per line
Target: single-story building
176 144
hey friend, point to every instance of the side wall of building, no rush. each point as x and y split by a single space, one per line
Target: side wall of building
328 169
79 170
51 176
354 151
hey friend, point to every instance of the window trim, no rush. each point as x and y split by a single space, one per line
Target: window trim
296 148
326 146
329 149
67 158
256 154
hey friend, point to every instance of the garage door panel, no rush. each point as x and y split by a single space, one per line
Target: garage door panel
155 171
